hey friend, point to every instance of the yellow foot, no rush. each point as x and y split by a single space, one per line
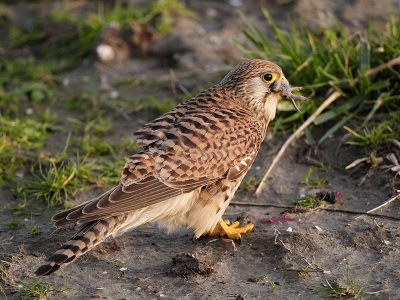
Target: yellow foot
232 231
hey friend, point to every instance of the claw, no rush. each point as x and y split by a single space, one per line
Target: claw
232 231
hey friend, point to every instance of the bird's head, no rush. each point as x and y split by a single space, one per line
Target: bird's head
260 84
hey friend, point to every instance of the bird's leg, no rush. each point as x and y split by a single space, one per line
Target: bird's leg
232 231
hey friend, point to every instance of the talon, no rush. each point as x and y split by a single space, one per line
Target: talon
234 224
194 239
232 231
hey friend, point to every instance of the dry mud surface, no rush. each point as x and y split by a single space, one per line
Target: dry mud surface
160 266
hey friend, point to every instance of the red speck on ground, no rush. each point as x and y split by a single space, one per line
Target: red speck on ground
276 219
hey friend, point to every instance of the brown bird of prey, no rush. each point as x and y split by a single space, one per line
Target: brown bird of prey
192 161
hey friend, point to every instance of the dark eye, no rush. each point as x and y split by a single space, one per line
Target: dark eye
268 77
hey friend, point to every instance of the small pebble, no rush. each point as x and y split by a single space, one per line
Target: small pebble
356 22
318 228
201 31
65 82
289 229
123 269
103 79
105 52
114 94
215 40
235 3
19 175
212 12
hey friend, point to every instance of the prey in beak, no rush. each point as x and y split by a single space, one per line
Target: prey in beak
284 90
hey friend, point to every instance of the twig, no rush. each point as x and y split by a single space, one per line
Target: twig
178 84
357 162
382 205
277 233
381 67
352 212
395 142
360 160
172 83
324 105
118 110
262 205
8 263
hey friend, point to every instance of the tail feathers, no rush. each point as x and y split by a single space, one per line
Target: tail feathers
90 235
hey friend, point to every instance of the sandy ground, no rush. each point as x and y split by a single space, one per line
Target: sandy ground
272 262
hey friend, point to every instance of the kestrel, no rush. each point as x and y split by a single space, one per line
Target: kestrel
192 161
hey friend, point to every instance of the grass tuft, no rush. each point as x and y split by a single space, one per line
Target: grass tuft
350 289
377 136
250 184
313 182
36 290
59 182
116 262
331 59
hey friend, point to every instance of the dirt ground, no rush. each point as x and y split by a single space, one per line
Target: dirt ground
272 262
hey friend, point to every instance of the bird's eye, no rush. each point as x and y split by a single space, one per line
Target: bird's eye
268 77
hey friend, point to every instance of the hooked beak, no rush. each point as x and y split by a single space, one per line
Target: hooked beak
284 90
